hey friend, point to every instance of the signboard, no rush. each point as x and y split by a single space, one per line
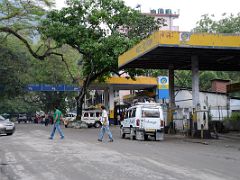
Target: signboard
34 87
163 87
48 87
60 87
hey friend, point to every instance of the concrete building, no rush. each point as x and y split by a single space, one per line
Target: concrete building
165 16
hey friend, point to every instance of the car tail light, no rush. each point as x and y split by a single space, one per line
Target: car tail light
137 122
162 123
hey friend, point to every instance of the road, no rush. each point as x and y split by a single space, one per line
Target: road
30 155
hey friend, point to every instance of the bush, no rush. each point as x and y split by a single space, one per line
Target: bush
233 122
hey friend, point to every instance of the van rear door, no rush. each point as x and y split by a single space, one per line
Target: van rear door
150 120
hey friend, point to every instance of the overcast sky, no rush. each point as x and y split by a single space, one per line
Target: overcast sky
190 10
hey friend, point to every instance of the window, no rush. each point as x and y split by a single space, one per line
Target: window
91 114
85 114
126 114
98 114
133 112
153 113
130 114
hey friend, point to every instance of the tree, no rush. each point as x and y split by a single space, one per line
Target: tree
52 71
228 24
13 67
20 19
100 30
18 69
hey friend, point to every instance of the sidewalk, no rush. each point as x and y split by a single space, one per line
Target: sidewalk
230 135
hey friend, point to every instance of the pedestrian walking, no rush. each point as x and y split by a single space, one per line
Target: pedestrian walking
46 119
56 123
105 126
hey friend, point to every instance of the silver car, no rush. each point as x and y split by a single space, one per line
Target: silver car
6 127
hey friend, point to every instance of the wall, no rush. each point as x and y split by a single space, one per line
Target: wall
216 101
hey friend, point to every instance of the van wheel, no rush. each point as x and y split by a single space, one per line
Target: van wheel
97 124
132 134
122 134
9 134
145 137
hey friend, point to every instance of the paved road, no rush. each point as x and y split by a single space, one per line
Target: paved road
30 155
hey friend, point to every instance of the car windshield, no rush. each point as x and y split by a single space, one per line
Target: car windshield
2 118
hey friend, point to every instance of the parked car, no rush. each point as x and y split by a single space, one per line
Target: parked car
143 120
22 118
6 127
92 118
69 117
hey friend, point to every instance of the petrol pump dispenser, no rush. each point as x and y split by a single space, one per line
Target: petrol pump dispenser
201 119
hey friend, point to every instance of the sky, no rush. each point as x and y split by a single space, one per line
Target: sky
190 10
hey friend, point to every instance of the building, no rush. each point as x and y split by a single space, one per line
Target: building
165 16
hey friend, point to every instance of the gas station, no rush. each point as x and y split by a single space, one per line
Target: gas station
185 51
121 83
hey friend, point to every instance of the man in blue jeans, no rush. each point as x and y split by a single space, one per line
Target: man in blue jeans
105 126
56 123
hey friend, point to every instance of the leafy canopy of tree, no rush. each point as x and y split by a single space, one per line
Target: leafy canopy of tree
19 68
13 68
20 19
84 25
228 24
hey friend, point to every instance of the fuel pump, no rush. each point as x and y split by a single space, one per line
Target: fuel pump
202 120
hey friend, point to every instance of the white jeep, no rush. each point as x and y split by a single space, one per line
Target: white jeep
92 118
143 120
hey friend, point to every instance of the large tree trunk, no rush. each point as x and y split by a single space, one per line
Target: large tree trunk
80 98
80 101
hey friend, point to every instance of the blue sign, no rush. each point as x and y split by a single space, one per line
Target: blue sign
60 87
163 94
34 87
163 85
48 87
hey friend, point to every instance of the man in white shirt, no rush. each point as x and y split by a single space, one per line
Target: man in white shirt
105 126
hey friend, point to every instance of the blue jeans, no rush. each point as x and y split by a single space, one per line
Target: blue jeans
102 132
57 126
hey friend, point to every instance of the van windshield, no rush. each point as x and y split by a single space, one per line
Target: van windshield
153 113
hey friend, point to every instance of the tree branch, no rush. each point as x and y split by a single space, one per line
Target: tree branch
66 64
47 53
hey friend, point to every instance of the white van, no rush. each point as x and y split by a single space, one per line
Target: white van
92 117
143 120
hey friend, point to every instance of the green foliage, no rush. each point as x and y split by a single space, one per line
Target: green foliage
233 122
228 24
84 26
18 68
13 68
23 15
235 116
100 30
